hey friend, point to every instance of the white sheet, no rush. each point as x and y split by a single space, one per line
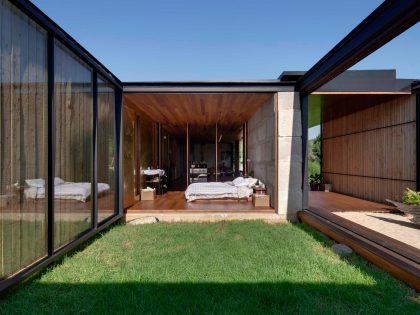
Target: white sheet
216 190
154 172
67 190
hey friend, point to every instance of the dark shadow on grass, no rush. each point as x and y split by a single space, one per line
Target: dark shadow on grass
207 298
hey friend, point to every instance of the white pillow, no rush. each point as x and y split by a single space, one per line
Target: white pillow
251 181
37 182
242 183
237 180
58 181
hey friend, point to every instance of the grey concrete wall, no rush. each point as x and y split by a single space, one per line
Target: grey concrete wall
261 146
289 155
275 152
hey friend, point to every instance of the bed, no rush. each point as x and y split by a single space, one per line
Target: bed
240 188
35 189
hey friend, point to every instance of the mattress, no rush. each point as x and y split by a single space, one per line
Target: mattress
66 190
216 190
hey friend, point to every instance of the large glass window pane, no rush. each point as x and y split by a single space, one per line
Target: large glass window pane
106 150
73 145
202 153
23 144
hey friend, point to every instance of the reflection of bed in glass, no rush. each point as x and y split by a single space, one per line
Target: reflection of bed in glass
63 190
74 196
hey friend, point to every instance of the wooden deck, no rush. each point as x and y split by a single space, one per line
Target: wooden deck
334 202
174 201
399 259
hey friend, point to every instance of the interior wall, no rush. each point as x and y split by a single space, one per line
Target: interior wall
176 158
261 146
369 145
203 152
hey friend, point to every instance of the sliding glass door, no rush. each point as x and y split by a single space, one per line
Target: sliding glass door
73 104
106 150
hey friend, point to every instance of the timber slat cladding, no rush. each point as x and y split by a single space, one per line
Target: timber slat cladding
369 145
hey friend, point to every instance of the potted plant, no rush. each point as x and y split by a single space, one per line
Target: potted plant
324 186
410 204
314 181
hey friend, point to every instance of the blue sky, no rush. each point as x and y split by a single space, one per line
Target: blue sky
222 39
218 39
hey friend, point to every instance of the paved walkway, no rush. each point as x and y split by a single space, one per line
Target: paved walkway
393 225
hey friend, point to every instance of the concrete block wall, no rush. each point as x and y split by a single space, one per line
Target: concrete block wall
261 146
289 155
275 152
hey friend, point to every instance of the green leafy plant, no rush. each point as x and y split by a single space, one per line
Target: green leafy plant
411 197
315 179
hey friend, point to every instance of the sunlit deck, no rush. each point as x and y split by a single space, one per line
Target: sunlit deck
375 231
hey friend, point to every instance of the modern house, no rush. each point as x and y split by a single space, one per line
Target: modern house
78 146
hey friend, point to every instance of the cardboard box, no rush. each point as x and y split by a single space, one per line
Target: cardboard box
259 200
148 194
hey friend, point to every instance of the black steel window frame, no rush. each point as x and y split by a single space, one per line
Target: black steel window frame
416 90
54 32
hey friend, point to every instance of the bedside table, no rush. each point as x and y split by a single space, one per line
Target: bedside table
260 190
261 200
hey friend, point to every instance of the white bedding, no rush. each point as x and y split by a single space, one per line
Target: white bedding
154 172
66 190
216 190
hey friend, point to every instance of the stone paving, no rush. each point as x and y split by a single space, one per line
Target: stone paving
393 225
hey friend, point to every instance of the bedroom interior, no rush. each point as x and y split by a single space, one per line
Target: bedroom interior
188 151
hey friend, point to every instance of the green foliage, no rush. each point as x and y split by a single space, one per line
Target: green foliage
313 168
315 179
316 148
314 157
411 197
212 268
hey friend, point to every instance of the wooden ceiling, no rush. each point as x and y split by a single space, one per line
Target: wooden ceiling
200 109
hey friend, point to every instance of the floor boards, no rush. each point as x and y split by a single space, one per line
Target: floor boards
174 201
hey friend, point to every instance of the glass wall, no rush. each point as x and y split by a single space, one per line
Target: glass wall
202 153
106 150
28 147
73 105
23 140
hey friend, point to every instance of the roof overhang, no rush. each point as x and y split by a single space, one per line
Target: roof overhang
388 21
260 86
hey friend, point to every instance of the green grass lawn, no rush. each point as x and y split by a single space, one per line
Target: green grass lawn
219 268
